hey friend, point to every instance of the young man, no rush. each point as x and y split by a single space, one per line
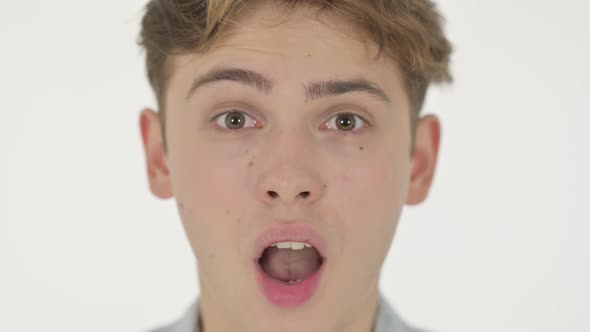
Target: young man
289 134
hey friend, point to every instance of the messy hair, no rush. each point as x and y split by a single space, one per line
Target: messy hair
409 31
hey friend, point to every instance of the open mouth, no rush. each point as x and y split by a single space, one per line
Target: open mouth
290 262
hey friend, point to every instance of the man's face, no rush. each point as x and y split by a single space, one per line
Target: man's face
285 146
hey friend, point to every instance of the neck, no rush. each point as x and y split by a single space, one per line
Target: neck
366 314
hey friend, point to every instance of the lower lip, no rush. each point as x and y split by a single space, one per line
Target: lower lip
288 296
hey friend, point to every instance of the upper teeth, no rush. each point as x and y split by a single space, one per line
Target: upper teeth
291 245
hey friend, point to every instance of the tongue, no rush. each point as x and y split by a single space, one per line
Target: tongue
288 264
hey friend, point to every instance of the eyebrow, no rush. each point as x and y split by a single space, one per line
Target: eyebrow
313 90
319 89
244 76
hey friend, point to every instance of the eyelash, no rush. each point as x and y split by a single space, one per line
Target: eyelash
344 132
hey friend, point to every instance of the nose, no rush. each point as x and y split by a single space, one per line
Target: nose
290 184
291 175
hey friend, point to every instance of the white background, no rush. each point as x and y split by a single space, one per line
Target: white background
502 243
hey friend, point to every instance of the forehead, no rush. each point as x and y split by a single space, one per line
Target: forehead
266 21
301 45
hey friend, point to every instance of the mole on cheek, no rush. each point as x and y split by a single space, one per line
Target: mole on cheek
361 148
227 212
250 164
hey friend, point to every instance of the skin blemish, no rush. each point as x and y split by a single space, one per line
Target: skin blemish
180 205
250 164
325 186
361 148
227 212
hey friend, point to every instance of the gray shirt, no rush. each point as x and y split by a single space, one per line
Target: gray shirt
387 320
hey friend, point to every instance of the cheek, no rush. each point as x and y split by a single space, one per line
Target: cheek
379 183
209 193
374 191
212 177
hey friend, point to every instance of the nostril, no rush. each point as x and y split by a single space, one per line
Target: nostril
305 194
273 194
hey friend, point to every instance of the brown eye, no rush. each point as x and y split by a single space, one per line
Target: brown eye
345 121
234 120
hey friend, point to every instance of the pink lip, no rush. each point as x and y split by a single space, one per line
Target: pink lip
277 292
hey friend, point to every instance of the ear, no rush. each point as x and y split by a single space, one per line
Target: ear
424 159
155 156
